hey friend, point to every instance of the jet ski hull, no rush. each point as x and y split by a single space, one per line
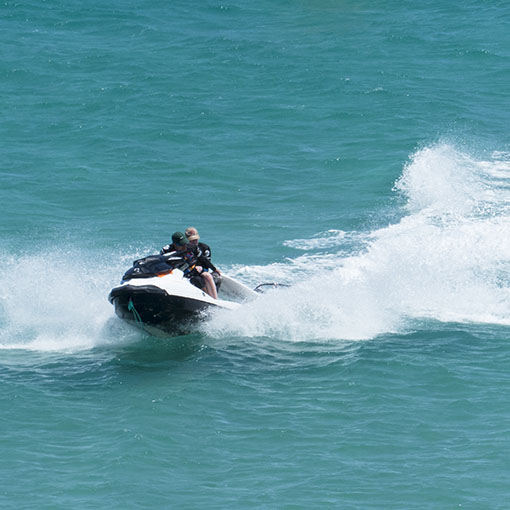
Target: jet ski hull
150 307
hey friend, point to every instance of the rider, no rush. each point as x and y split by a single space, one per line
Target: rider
178 240
195 260
193 238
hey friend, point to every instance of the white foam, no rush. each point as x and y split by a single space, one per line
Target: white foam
330 238
447 259
55 301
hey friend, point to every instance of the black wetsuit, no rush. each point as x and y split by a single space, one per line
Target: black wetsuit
202 253
193 255
206 251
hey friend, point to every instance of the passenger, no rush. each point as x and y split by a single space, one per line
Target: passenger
196 262
193 238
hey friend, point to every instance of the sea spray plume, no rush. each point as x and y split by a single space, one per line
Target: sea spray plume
447 259
439 178
55 299
446 181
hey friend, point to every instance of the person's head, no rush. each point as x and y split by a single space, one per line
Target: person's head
179 240
192 235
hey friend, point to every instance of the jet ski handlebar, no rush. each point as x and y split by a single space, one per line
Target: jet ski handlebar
153 265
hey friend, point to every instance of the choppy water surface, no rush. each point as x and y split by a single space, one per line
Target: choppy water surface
356 152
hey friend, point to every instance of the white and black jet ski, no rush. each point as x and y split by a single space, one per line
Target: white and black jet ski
156 296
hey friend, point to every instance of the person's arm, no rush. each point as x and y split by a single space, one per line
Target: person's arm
205 262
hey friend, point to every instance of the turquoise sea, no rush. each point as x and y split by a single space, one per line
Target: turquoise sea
356 150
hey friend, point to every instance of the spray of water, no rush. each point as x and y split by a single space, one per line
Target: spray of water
55 300
447 259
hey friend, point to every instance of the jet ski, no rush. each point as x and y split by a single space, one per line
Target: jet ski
156 296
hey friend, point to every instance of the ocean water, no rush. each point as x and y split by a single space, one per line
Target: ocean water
357 151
